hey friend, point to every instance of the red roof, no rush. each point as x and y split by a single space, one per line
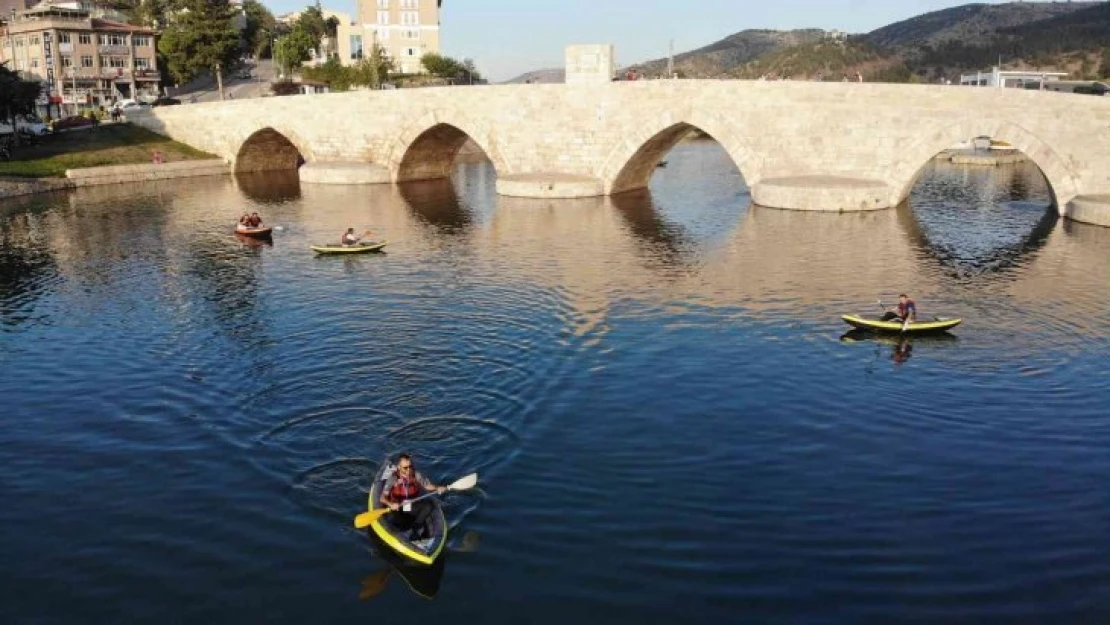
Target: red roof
109 25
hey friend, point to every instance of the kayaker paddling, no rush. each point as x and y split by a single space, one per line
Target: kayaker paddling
349 237
907 311
404 485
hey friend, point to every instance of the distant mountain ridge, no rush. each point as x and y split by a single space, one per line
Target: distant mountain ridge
935 46
968 23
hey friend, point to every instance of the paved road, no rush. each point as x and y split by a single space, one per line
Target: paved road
235 88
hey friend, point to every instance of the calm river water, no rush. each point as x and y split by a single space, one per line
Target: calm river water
667 424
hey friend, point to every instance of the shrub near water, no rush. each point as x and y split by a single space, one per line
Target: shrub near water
116 144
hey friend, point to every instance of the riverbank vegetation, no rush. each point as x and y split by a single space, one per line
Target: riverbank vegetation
113 144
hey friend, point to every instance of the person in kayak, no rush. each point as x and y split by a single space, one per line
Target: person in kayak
255 220
405 484
907 311
350 238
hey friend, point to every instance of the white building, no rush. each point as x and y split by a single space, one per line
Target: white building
1001 79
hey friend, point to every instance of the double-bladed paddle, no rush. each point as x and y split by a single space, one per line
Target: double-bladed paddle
463 483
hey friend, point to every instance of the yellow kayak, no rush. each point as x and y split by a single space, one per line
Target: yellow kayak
423 551
349 249
916 327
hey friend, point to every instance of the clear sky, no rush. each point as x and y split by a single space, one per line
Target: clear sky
509 37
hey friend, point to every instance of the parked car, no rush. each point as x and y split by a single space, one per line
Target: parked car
165 102
73 122
25 124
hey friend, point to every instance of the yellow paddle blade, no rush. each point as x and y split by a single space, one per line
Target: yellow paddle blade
374 584
366 518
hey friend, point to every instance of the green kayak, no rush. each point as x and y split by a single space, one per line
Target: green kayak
349 249
938 324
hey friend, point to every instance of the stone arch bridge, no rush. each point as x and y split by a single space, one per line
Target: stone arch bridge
799 145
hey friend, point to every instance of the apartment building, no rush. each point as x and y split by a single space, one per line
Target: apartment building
81 60
405 29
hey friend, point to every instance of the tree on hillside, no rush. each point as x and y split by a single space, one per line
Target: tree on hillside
200 36
148 13
17 96
1104 69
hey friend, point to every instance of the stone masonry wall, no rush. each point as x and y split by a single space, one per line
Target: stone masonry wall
875 133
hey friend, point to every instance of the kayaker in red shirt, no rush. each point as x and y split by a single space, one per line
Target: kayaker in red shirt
907 310
407 484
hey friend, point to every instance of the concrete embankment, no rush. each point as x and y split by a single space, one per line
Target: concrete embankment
114 174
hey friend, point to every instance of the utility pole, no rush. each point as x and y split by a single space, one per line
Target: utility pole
670 61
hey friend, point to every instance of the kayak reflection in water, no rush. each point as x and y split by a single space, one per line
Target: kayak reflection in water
404 485
907 310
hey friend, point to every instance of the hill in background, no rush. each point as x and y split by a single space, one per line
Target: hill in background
541 76
1068 36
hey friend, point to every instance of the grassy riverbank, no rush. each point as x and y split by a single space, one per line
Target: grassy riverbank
109 144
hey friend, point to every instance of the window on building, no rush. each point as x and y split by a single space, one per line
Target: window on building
34 63
67 61
356 46
412 34
409 52
18 41
117 61
383 4
112 40
85 38
410 4
63 38
34 41
141 41
86 61
410 18
383 18
142 62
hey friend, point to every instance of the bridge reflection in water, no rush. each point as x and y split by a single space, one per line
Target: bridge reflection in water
651 246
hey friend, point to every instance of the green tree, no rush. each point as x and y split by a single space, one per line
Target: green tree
440 65
1104 68
17 96
374 69
261 24
200 37
294 49
339 78
313 22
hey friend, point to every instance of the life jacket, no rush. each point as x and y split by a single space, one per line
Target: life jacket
904 309
404 488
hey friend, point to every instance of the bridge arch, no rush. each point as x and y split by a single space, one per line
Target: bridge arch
268 149
426 148
630 165
1062 182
